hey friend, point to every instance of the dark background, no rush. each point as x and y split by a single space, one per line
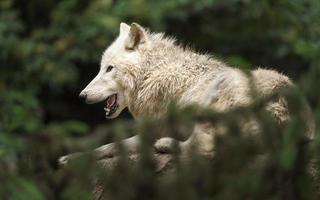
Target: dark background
50 50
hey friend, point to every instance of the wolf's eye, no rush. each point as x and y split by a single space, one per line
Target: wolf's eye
109 68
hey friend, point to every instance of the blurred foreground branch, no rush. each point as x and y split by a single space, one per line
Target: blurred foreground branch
163 165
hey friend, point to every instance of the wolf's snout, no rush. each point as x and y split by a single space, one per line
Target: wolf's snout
83 96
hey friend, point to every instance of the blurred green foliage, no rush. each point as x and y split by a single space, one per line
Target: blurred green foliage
50 49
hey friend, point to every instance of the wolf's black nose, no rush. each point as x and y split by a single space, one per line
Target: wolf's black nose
83 97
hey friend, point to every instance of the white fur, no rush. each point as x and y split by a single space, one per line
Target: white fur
151 71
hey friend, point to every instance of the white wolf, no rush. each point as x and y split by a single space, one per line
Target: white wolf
144 71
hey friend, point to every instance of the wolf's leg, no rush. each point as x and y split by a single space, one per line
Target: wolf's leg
131 145
201 141
164 145
109 150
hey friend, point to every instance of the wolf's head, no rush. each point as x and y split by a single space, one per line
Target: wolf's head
113 80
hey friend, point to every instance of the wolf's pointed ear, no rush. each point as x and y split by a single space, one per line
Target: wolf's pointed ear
124 28
136 36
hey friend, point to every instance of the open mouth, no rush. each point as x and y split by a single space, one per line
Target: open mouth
111 105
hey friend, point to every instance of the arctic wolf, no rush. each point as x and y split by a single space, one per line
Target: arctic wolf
145 71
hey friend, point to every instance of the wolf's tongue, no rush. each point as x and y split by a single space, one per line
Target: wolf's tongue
111 100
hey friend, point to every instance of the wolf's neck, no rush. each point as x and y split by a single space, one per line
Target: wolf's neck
167 72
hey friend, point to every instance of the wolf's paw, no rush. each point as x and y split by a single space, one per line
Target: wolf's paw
64 160
164 145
